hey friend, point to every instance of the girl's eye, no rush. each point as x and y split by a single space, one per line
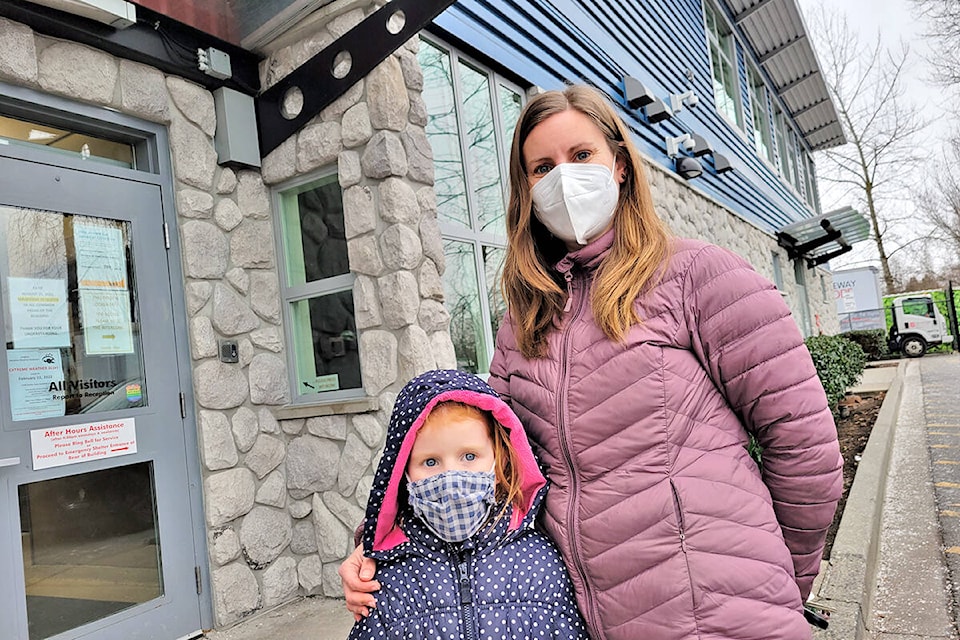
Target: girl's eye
581 156
430 462
470 457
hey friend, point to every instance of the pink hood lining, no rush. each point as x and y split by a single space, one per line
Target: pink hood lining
387 534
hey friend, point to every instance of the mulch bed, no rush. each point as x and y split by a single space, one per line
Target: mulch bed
857 415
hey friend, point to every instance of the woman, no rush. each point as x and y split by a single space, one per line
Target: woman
639 366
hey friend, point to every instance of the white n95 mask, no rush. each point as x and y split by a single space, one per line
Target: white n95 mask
576 201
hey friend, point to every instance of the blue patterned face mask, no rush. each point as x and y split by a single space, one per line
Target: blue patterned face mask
453 504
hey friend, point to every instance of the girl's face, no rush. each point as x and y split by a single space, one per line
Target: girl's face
568 136
454 440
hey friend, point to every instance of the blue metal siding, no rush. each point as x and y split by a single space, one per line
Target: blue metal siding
598 42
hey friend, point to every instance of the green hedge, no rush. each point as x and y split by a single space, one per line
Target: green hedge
839 364
872 341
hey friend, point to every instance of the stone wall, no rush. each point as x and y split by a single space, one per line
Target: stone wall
691 214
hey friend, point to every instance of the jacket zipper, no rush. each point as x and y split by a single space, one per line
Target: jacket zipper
470 631
678 507
574 482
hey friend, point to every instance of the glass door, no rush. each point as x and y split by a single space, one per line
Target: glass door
97 535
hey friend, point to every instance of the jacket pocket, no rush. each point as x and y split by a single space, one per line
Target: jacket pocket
681 527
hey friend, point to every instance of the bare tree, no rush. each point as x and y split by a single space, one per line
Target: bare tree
867 87
943 18
940 200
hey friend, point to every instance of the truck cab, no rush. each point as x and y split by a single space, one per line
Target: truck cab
917 325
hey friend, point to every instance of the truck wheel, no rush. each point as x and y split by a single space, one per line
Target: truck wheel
913 347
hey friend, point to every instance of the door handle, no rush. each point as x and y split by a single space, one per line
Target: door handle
9 462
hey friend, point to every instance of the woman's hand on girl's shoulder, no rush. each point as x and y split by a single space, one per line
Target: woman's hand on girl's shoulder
356 576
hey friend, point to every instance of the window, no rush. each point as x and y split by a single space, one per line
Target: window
723 65
761 115
471 115
777 271
317 291
823 289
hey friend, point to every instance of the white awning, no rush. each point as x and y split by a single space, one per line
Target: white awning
825 237
778 37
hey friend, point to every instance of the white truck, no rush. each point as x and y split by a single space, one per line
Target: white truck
917 325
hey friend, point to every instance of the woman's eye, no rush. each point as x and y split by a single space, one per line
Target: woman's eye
541 169
470 457
430 462
581 156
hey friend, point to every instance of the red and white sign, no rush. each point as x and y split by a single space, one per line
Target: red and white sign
58 446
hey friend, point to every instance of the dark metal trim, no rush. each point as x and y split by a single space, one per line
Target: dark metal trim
369 43
795 251
746 13
783 48
155 40
813 262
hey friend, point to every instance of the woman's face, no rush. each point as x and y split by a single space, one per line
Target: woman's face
568 136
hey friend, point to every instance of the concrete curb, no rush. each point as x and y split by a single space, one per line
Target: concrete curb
848 580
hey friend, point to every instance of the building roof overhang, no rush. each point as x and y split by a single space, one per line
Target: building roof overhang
775 31
824 237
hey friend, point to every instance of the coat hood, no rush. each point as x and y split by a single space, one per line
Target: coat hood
414 403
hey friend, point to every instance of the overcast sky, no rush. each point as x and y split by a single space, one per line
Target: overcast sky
893 20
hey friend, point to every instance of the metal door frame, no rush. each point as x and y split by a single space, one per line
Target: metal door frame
152 152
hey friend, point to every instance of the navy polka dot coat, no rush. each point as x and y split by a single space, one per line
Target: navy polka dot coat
506 582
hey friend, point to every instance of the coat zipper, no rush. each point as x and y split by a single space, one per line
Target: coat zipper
678 507
470 631
574 482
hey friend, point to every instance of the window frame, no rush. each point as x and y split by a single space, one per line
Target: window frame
727 46
473 235
291 294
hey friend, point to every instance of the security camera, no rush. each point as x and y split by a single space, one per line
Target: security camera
688 168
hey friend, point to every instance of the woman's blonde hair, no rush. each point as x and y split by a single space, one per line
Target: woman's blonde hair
533 290
506 464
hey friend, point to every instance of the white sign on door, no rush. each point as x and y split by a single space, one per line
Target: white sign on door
58 446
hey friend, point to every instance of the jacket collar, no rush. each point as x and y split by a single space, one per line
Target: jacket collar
590 256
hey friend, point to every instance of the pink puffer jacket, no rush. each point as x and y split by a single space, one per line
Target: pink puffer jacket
663 519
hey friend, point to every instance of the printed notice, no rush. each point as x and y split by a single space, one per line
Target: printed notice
101 263
38 313
106 321
32 372
60 446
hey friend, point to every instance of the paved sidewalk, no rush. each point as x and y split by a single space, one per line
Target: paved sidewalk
887 578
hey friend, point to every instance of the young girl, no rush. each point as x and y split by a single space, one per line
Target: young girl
450 522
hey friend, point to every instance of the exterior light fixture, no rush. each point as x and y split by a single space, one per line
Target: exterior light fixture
658 110
701 146
688 167
721 164
636 93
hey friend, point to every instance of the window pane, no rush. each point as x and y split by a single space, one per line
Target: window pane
482 149
70 314
90 547
67 143
492 269
444 136
510 105
314 240
462 292
325 339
